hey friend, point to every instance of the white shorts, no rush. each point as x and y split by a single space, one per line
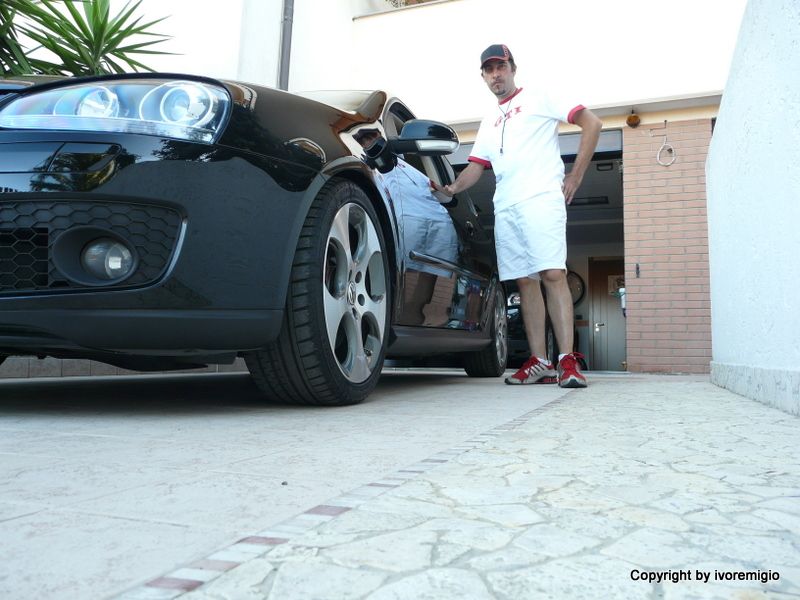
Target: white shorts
531 237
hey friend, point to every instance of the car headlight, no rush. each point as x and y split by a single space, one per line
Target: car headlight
182 109
94 101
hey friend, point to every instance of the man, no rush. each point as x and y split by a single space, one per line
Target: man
519 140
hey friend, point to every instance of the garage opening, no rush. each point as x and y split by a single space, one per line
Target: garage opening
595 249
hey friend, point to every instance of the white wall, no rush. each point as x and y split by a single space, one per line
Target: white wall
608 52
205 36
259 54
235 39
323 51
611 52
753 185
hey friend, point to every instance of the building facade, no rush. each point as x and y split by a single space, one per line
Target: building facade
753 193
641 222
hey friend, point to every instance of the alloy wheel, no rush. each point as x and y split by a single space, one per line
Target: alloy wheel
355 294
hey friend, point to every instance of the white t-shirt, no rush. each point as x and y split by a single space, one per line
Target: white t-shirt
525 126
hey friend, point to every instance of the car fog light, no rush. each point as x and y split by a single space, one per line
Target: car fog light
107 259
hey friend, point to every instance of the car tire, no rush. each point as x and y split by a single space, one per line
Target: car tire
333 338
491 360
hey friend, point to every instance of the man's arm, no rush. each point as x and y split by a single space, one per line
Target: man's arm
466 179
590 132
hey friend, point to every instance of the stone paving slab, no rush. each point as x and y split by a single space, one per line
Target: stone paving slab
632 488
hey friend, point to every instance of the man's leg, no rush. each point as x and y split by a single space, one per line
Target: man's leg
559 305
533 316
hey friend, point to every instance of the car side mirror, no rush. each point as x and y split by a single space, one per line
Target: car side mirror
428 138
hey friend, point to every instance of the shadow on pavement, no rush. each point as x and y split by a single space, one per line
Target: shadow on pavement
137 393
184 393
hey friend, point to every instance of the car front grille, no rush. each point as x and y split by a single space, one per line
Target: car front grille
28 230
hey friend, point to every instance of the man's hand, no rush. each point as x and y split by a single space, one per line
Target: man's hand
442 189
440 193
466 179
571 184
590 132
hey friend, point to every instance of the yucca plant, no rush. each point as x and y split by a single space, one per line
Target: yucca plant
12 55
86 41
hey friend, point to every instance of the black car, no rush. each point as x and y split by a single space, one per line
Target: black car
156 221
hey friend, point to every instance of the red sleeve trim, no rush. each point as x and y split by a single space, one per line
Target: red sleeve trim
573 112
517 91
486 164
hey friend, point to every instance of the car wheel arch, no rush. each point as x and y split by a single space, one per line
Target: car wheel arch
355 172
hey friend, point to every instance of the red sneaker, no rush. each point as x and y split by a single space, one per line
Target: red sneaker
533 371
569 373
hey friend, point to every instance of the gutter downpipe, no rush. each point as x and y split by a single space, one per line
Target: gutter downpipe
286 44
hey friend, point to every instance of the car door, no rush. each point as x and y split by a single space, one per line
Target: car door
447 257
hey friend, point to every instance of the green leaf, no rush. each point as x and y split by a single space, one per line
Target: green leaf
76 16
84 41
116 67
123 16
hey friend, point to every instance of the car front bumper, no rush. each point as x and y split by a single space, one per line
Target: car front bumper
214 231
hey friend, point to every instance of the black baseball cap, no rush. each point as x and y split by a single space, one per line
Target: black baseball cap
496 51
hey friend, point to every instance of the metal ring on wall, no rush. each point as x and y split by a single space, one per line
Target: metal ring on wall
670 150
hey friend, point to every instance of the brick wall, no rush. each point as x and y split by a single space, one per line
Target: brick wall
666 234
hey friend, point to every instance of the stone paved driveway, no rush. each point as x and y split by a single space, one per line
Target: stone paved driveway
634 488
107 483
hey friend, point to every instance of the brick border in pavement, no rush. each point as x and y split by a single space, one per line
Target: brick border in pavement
198 573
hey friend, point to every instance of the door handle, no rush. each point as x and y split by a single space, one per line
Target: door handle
597 327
